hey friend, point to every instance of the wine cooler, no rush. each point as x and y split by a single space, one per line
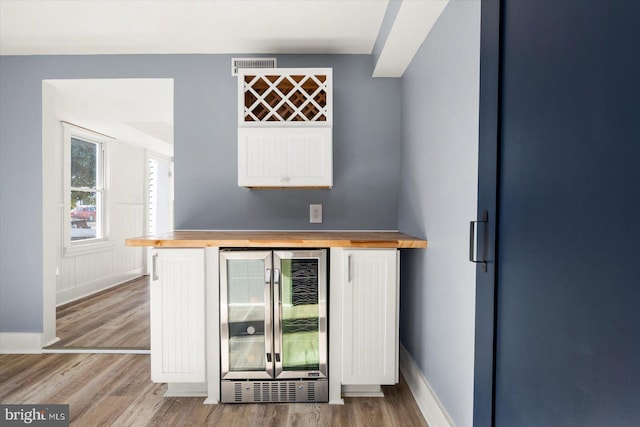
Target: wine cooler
273 309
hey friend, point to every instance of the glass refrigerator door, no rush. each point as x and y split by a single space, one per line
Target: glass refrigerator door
246 322
300 304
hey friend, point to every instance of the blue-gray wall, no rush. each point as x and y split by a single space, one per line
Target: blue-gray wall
366 144
440 92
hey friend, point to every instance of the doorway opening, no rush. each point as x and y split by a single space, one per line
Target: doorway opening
98 277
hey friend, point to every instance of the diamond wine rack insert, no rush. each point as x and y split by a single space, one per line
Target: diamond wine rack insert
276 96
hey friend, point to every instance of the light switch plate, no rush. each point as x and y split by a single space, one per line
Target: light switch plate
315 214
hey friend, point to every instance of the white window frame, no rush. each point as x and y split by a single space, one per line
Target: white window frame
99 243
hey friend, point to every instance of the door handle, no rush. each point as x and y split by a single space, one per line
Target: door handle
268 306
277 319
473 243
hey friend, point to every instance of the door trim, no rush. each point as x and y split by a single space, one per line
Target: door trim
488 188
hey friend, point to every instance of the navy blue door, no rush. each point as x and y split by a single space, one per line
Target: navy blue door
566 347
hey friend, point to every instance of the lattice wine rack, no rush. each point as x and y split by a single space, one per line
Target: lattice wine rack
285 97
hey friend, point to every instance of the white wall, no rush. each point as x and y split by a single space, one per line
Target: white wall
438 198
84 273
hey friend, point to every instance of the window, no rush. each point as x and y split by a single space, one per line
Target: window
84 185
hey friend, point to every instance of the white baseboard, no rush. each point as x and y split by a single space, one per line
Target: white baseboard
362 391
51 342
95 351
431 408
69 295
20 343
186 390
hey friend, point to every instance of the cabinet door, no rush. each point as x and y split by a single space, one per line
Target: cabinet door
177 315
369 314
280 157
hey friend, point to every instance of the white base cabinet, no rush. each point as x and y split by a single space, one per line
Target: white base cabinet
363 321
370 317
177 299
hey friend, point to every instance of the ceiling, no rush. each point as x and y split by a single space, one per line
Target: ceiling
95 27
71 27
136 111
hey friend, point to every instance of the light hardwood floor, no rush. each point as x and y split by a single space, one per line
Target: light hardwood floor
115 318
116 390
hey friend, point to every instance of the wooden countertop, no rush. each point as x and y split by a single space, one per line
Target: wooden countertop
280 239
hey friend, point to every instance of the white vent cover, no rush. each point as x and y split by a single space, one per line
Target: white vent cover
237 63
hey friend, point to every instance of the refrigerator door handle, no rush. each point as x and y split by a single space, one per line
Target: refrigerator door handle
267 320
277 320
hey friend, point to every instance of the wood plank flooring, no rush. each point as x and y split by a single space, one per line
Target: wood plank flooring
115 318
116 390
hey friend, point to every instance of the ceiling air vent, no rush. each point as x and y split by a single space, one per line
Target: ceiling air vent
237 63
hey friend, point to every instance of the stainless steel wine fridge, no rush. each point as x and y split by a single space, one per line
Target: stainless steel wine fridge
273 309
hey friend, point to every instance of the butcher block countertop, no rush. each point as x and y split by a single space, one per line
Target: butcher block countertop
280 239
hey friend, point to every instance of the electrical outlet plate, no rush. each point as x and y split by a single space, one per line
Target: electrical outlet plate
315 214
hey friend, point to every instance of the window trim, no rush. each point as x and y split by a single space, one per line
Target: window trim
98 244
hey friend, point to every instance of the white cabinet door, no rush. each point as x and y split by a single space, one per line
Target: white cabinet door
370 317
178 315
280 157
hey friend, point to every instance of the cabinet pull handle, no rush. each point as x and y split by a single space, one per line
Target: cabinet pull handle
349 269
154 269
472 241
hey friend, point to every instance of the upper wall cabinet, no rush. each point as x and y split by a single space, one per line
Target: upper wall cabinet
285 119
